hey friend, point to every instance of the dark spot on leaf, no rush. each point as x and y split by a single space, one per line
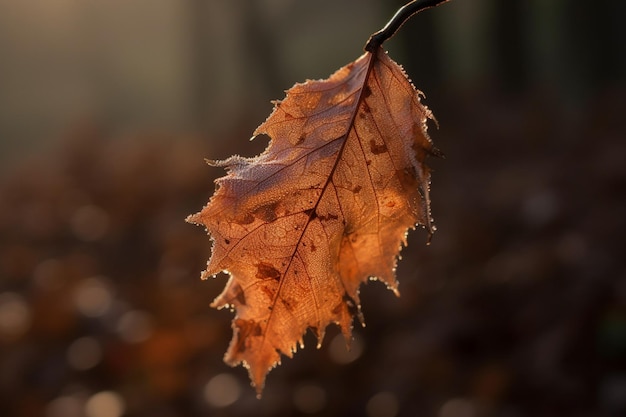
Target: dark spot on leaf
246 329
311 213
241 297
227 241
376 148
267 213
407 178
337 309
357 189
367 91
289 304
245 219
265 271
240 344
421 192
236 293
269 292
300 140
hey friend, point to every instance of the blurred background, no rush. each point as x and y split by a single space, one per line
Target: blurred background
108 109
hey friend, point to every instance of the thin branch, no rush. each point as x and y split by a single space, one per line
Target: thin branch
401 16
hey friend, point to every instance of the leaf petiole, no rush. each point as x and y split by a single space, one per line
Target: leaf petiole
401 16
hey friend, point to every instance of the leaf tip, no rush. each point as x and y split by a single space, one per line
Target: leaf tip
436 152
191 218
431 231
319 335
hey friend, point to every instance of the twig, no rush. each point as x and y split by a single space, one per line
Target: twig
401 16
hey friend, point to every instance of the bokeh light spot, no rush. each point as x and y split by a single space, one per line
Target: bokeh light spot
457 407
89 223
15 315
66 406
48 275
135 326
93 297
105 404
309 399
540 208
222 390
339 352
84 353
382 404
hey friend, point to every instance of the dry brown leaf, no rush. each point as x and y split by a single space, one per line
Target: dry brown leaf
325 207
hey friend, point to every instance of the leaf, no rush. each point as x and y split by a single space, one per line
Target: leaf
325 207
